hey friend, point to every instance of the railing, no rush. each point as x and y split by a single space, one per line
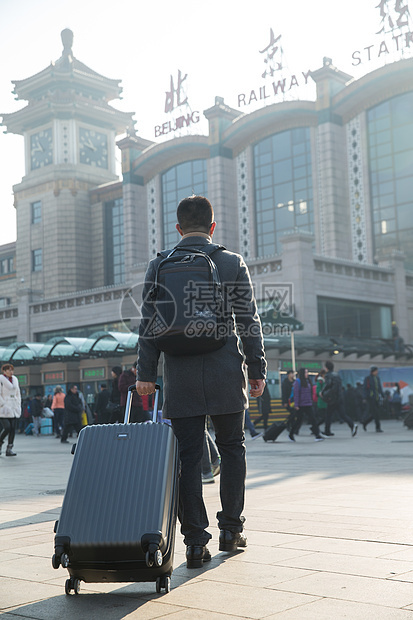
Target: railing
84 298
8 313
347 268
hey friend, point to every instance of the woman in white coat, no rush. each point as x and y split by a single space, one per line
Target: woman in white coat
10 406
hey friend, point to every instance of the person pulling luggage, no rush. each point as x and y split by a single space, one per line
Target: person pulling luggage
210 379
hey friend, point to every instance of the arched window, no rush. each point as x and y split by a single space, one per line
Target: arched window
180 182
390 133
283 188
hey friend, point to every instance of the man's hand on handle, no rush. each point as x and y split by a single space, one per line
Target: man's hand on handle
145 387
257 387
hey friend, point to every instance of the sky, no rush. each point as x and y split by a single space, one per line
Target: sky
217 44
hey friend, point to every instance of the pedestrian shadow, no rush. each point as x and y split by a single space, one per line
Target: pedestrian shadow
41 517
114 605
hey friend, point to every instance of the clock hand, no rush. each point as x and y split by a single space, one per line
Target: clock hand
90 146
37 148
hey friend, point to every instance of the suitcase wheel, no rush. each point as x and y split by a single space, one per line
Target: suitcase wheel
163 582
72 584
152 558
55 561
64 559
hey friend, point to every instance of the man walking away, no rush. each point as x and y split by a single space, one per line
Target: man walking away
332 393
213 383
373 394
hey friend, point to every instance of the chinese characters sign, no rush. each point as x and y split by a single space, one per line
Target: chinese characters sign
272 52
176 98
51 377
393 15
93 373
393 27
277 82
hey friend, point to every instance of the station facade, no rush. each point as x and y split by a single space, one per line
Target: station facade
316 195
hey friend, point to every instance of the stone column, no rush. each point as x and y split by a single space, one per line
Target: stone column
23 325
400 310
332 179
222 187
298 268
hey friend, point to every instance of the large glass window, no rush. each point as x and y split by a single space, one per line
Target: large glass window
36 212
180 182
283 188
353 319
390 133
114 242
37 260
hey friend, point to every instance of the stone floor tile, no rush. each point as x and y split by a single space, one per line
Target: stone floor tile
270 539
196 614
258 576
93 607
43 550
28 568
346 546
353 588
239 601
348 564
19 592
329 609
403 553
408 576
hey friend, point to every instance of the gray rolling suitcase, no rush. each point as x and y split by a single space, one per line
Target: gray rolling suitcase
119 511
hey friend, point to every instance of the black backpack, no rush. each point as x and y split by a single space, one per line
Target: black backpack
188 316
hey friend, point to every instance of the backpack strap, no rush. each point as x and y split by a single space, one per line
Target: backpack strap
208 249
168 256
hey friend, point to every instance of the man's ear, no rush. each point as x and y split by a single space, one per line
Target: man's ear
179 229
211 230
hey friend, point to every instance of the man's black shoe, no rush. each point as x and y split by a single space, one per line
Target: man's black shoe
378 430
230 541
196 555
328 434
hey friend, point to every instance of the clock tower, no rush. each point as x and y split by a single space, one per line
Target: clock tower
69 131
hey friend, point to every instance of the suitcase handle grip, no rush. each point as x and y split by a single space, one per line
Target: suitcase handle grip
131 390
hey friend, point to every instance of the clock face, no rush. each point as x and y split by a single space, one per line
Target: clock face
93 147
41 149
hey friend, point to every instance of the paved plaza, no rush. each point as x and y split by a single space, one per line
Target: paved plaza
329 529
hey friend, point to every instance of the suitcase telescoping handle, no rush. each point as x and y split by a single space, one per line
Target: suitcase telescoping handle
131 390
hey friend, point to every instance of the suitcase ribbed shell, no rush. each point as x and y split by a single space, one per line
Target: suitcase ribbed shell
123 484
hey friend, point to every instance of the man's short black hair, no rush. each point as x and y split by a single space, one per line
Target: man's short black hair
289 372
329 365
195 214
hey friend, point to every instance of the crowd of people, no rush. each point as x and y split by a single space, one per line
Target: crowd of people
318 403
66 413
327 399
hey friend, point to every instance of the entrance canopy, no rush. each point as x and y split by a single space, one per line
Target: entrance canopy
99 344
